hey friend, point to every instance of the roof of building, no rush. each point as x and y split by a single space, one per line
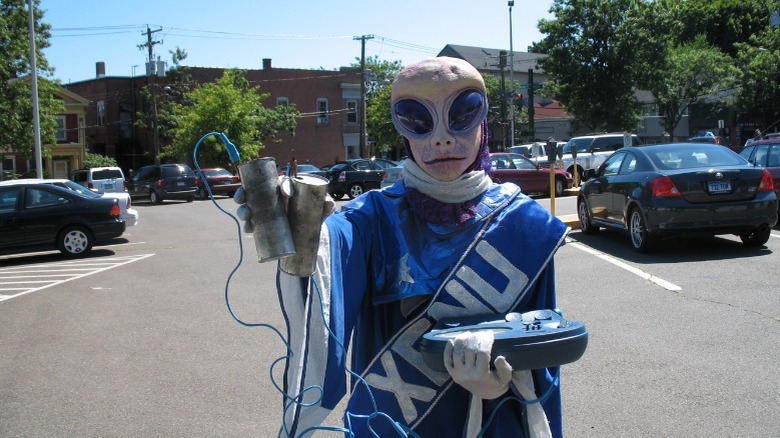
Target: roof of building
485 59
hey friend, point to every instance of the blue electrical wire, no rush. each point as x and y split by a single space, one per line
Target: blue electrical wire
402 430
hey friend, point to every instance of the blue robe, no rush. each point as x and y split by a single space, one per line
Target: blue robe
383 278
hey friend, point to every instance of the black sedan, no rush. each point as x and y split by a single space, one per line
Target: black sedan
530 176
696 189
356 176
33 215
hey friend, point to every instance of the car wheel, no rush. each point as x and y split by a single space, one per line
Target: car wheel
355 190
560 186
637 229
74 241
336 196
154 197
586 226
757 237
203 193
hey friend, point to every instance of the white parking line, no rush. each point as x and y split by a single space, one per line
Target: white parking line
621 264
51 274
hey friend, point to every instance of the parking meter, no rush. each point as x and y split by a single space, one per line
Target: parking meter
574 165
552 151
552 155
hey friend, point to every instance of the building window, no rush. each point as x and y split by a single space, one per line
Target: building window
101 113
282 101
352 114
62 134
322 110
8 168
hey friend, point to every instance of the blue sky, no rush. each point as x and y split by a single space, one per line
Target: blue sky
293 34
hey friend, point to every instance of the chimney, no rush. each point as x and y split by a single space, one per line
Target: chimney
100 69
266 63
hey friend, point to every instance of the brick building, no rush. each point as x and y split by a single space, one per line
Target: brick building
328 130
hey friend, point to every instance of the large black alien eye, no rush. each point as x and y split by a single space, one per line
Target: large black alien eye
465 110
413 116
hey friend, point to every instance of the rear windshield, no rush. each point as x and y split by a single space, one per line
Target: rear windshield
217 172
106 174
175 171
693 156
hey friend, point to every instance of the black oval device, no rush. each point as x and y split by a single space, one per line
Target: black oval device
528 341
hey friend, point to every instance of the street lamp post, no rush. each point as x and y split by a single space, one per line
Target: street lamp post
511 79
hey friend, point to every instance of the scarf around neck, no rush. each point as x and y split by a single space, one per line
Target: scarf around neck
442 202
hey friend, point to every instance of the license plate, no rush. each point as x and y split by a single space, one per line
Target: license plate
180 184
719 187
108 185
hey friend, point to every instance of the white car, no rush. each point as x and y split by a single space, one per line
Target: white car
129 215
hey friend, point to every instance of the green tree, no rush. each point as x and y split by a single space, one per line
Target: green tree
96 160
595 57
383 133
16 123
694 72
758 93
379 80
231 106
379 74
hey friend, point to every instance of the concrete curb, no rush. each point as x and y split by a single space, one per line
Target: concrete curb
571 220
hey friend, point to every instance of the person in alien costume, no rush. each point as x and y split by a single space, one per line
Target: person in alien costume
443 242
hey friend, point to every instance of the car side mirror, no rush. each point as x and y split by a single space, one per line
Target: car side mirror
589 173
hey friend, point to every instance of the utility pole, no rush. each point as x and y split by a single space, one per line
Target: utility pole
34 71
531 129
151 70
363 93
504 94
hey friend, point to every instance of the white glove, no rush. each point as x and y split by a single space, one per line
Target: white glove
467 359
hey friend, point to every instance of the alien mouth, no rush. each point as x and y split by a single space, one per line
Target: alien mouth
444 160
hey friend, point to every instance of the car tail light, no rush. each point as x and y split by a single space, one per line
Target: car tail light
90 186
124 185
160 183
384 175
128 203
664 187
766 181
197 181
115 211
343 176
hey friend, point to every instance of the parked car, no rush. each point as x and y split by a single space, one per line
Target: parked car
101 179
697 189
45 215
765 153
530 176
392 174
220 181
355 177
127 214
160 182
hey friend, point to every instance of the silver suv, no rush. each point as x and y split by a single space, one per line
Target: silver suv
101 179
592 150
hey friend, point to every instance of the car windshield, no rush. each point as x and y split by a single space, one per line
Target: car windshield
691 156
581 145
